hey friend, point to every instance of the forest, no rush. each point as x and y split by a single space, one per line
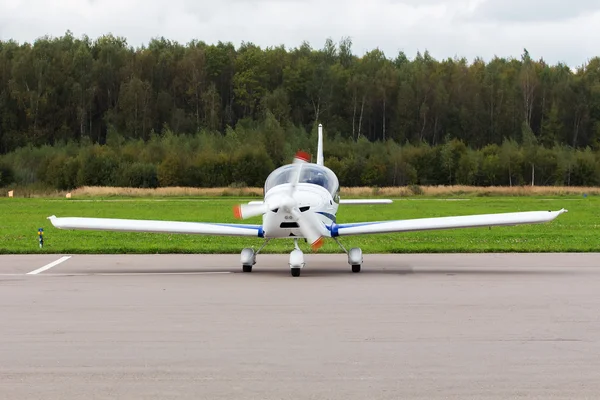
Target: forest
82 111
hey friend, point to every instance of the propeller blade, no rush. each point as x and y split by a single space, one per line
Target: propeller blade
311 228
301 157
243 211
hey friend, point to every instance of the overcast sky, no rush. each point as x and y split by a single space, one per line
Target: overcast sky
557 30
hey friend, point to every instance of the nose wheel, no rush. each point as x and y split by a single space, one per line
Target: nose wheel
296 260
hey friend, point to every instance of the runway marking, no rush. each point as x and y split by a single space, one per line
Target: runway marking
48 266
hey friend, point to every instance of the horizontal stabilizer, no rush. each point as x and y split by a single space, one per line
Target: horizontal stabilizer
365 201
135 225
346 201
423 224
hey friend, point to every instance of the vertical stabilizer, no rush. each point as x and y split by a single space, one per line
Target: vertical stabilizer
320 146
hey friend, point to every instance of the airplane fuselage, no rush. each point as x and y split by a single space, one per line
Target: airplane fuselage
315 191
281 224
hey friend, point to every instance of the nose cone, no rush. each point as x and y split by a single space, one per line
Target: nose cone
289 209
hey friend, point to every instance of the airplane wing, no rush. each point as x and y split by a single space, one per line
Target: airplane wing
136 225
422 224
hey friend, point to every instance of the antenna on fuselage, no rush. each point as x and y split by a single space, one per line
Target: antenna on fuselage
320 146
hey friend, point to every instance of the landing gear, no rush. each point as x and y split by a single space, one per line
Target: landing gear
296 263
248 257
296 260
355 258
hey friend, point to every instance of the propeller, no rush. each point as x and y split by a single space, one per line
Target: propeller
308 223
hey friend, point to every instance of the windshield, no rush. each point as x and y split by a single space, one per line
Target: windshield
310 173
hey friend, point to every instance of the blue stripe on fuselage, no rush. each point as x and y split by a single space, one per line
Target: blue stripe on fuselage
330 216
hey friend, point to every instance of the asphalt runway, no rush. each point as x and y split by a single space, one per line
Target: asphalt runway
446 326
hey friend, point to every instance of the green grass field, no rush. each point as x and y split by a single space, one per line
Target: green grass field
576 230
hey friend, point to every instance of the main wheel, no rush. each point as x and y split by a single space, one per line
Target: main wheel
295 271
247 268
356 268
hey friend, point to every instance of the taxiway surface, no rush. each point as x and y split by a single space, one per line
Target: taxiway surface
445 326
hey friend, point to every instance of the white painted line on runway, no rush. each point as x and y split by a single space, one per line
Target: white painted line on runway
48 266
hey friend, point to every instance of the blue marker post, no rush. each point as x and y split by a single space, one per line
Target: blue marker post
41 237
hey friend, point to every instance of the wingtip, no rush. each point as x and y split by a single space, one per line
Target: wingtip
53 221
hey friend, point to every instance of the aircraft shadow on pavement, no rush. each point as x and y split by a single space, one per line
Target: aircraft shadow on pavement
315 270
407 270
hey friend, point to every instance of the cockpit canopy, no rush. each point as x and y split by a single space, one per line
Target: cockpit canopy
310 173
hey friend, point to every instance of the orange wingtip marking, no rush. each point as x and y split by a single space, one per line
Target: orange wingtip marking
302 155
237 211
317 243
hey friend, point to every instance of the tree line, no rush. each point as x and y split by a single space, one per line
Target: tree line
448 121
245 155
69 88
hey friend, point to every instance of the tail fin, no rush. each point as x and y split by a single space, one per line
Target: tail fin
320 146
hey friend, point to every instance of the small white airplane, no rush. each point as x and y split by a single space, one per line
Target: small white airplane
301 202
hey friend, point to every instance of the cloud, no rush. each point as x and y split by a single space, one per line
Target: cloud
532 11
447 28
